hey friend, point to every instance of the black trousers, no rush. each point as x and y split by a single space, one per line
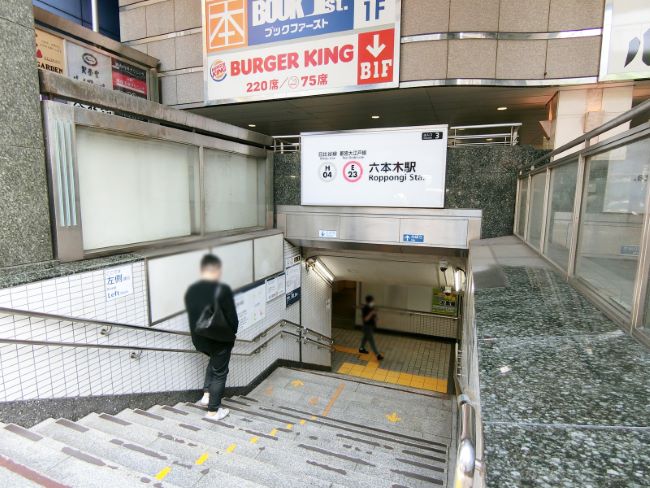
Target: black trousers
216 374
369 336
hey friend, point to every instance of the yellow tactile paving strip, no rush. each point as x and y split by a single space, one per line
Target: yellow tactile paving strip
372 371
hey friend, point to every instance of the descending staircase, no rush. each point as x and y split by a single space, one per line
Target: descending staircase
297 429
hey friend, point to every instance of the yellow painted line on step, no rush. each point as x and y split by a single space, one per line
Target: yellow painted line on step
303 421
274 432
202 458
254 440
313 417
231 448
393 418
333 399
372 372
289 426
297 383
163 473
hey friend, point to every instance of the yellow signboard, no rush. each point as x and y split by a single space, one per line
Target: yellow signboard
49 52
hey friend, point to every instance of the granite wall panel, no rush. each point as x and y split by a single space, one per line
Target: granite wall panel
477 177
24 209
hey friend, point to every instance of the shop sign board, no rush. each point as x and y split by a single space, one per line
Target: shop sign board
129 79
50 53
88 65
263 49
625 53
399 167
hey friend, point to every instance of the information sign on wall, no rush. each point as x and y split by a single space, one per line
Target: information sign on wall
625 53
251 306
275 287
261 49
49 52
129 79
118 282
88 65
401 167
445 303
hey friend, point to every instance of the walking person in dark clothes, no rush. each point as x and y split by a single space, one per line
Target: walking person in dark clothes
200 295
369 317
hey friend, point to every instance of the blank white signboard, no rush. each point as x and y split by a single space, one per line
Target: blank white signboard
400 167
237 261
269 256
169 277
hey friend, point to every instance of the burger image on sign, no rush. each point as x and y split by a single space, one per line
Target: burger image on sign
218 70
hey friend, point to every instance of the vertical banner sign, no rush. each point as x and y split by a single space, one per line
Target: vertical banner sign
49 52
401 167
262 49
293 279
88 65
129 79
625 53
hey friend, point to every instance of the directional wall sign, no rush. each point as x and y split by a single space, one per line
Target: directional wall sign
262 49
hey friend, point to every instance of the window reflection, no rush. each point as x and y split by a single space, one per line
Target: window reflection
559 226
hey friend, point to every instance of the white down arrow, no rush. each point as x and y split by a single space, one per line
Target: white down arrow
376 48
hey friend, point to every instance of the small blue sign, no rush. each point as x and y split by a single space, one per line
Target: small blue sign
413 238
630 250
281 20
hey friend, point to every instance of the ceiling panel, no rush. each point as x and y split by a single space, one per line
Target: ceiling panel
400 107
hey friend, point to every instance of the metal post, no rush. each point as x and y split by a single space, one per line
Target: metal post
95 15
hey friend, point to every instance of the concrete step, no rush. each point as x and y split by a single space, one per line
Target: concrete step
268 451
360 458
16 475
421 415
290 414
132 455
64 464
304 431
190 444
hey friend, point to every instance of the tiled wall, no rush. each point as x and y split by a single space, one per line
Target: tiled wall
31 372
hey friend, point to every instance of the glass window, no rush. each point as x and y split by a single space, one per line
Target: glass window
559 221
538 186
612 220
135 190
523 201
235 191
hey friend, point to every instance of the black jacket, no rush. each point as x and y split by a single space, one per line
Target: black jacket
200 295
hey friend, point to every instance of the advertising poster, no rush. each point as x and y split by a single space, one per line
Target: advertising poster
251 306
88 65
129 79
625 53
293 283
401 167
118 282
445 303
262 49
50 53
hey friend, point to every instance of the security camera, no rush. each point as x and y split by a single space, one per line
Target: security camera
444 265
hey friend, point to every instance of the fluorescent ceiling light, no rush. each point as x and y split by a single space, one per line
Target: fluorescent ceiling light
502 108
252 125
374 116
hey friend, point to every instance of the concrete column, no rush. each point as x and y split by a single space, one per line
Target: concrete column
24 208
575 112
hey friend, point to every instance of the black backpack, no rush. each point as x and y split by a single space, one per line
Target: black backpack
213 324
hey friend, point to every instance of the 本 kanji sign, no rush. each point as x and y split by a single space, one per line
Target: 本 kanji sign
260 49
401 167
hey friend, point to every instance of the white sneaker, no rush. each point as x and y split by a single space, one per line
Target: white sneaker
204 400
220 414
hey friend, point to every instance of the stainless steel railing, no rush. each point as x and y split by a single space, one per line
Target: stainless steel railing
301 335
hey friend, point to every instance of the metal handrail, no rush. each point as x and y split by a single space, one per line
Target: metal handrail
611 124
29 342
105 323
412 312
318 334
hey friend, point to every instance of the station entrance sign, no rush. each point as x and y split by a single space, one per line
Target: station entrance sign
398 167
267 49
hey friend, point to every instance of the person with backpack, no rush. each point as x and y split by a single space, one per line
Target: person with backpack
213 323
369 318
